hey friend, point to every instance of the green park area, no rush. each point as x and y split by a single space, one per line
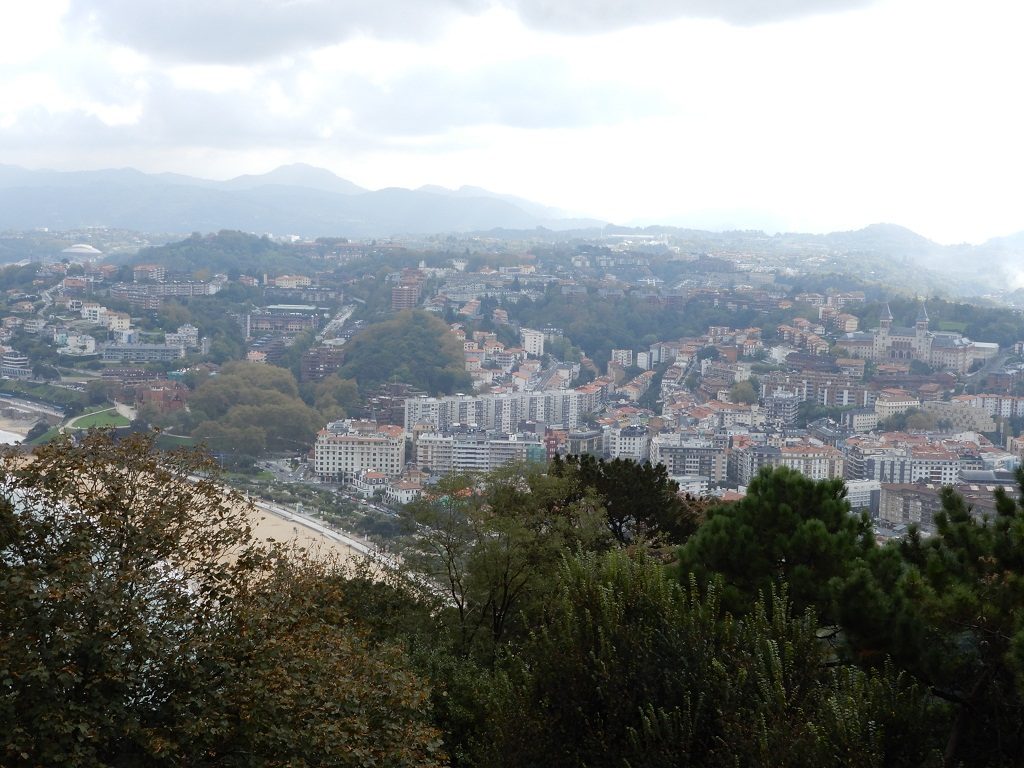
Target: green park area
107 417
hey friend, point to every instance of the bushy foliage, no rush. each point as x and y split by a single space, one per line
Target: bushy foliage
252 408
787 528
632 669
227 251
142 624
413 347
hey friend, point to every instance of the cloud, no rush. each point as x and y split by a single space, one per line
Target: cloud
241 31
277 110
529 94
246 31
589 16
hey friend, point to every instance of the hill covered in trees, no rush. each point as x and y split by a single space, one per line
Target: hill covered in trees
583 615
412 346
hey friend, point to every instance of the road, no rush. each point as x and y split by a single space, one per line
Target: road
28 405
334 327
993 364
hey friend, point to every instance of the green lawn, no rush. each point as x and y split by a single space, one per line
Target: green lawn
101 419
164 440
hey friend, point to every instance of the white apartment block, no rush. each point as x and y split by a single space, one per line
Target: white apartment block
504 411
818 462
623 357
346 449
532 341
863 494
187 337
689 456
629 443
994 405
92 311
915 465
475 451
891 402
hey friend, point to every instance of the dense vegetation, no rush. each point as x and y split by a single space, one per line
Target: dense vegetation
228 252
252 406
127 637
142 624
597 325
413 346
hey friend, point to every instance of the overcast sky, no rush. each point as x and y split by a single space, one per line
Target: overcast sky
809 115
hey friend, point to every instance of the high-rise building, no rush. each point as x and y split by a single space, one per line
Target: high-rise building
532 341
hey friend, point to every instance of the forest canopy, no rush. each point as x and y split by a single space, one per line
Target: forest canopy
413 347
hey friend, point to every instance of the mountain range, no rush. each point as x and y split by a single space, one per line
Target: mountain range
308 201
293 199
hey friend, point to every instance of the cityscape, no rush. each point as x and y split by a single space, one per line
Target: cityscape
507 384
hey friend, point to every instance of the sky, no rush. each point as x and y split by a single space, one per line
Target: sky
783 115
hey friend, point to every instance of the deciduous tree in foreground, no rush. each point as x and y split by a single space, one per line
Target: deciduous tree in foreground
142 624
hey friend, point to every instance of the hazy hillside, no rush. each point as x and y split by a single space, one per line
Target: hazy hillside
295 199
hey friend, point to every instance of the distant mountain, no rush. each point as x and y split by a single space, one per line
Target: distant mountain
296 175
293 199
884 238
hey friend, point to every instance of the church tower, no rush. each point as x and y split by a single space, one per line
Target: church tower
921 324
881 345
922 339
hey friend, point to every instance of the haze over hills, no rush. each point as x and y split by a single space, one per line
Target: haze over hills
309 201
294 199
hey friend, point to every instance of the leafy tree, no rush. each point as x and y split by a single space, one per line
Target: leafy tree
112 563
142 624
947 608
414 347
630 669
493 544
912 418
334 397
255 406
743 392
45 372
293 676
788 527
640 500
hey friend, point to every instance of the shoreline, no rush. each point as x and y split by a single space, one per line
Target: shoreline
14 430
274 522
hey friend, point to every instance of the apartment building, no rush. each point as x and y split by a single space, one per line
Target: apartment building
476 451
684 455
346 449
532 341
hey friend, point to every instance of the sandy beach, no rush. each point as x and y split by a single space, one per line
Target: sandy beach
270 521
17 428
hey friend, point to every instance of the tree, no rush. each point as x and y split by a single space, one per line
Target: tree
250 407
493 544
788 527
112 564
142 624
947 608
640 500
334 397
628 668
413 347
743 392
293 678
45 372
